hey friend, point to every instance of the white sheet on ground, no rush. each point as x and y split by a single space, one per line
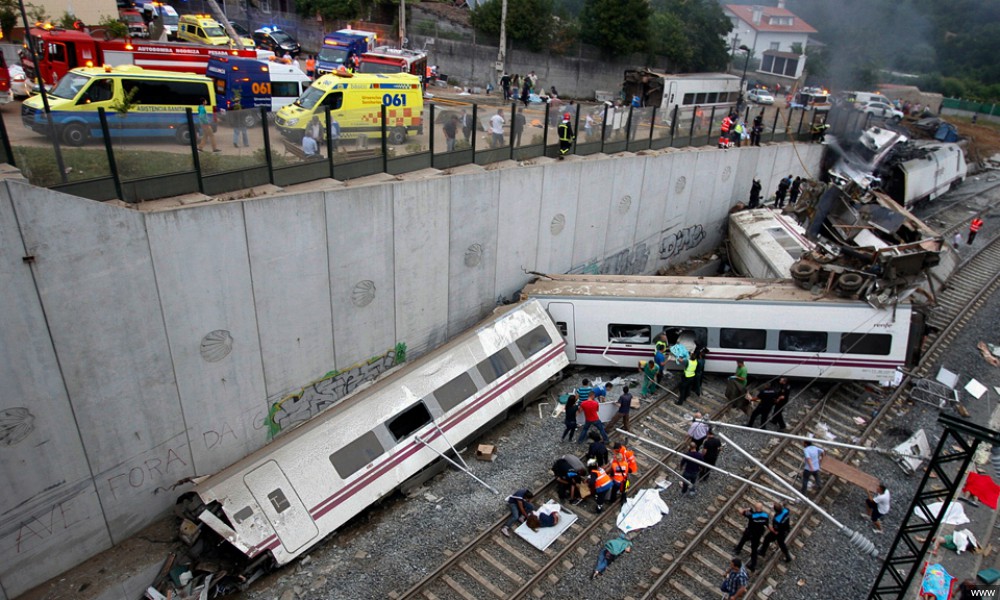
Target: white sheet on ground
644 509
544 537
955 514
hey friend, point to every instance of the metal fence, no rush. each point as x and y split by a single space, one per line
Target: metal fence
982 108
114 157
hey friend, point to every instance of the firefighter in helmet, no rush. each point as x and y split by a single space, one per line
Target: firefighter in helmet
566 136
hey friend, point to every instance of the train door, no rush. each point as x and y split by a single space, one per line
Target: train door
281 505
562 314
670 99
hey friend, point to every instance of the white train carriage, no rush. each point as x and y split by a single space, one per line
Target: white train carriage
941 168
287 496
776 327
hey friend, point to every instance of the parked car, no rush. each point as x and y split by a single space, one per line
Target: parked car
882 110
760 96
277 41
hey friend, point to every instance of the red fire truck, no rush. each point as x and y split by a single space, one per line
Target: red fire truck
60 50
394 60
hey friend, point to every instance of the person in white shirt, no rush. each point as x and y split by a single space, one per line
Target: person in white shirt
813 457
877 506
496 128
309 146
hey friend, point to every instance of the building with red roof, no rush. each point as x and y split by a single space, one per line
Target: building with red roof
773 33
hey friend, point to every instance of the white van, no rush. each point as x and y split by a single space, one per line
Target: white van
168 17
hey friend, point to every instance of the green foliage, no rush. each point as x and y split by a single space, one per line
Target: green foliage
35 13
113 27
125 103
330 10
705 29
66 21
615 26
668 39
816 62
528 21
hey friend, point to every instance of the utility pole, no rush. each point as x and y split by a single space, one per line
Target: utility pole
402 23
224 21
502 54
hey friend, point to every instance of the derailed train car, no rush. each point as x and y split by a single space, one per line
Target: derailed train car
275 504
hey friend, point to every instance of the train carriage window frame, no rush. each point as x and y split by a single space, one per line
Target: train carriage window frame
456 391
496 366
742 338
354 456
876 344
616 333
674 334
791 340
533 342
409 421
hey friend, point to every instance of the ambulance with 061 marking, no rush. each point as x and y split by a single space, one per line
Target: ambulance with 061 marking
355 102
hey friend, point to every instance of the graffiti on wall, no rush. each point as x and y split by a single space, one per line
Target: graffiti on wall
677 242
328 390
630 261
15 425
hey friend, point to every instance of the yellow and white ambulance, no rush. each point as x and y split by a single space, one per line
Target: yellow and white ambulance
203 29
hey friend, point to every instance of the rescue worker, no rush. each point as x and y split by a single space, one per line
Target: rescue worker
727 124
619 474
566 136
974 227
778 530
311 67
626 455
690 366
757 521
600 484
819 132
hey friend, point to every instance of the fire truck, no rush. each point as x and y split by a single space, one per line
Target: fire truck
394 60
60 50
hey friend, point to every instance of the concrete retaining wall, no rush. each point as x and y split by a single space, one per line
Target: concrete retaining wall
138 349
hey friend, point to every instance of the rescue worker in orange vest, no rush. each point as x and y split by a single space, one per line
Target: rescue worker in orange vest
311 67
727 124
623 453
566 136
690 370
600 484
622 465
974 228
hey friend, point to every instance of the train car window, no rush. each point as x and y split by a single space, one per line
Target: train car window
866 343
563 329
689 336
743 339
352 457
496 366
278 501
409 421
534 341
802 341
243 514
629 334
459 389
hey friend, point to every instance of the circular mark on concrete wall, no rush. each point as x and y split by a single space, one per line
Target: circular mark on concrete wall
681 182
15 425
474 255
625 204
216 345
363 293
558 224
727 173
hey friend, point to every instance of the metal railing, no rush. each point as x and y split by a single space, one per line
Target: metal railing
129 157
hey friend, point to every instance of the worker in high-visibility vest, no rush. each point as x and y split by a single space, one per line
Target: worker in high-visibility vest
566 136
620 451
311 66
690 366
600 483
974 228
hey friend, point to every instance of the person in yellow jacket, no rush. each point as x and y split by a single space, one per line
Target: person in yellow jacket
600 483
690 368
566 136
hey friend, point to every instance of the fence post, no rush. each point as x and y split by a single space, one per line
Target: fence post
385 142
513 125
329 140
475 130
673 123
545 130
652 124
431 133
694 118
774 125
193 138
711 124
6 144
576 128
112 165
628 127
267 144
604 129
798 130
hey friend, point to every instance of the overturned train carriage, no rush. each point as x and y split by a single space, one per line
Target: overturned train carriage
278 502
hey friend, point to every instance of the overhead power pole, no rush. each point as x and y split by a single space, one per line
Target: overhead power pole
502 54
402 23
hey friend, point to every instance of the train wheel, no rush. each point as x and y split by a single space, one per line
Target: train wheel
74 134
850 282
803 270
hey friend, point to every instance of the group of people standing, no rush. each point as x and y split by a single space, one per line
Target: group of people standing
515 87
788 189
734 130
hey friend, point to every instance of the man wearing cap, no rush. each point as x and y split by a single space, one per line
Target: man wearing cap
566 136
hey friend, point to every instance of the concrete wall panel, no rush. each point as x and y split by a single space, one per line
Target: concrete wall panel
362 282
746 171
597 178
657 190
677 229
785 163
726 183
623 254
202 260
290 270
97 286
473 248
421 221
517 237
50 517
557 219
766 173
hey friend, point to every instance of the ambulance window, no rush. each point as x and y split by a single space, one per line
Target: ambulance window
334 100
152 92
100 90
285 89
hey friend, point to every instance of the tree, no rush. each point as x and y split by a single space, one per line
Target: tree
668 39
528 21
113 28
704 30
615 26
329 10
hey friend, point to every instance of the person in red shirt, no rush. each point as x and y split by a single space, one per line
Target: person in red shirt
974 227
591 419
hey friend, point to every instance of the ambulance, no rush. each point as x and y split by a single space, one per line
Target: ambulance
158 110
272 83
203 29
356 103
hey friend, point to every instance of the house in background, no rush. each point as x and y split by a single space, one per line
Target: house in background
773 33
